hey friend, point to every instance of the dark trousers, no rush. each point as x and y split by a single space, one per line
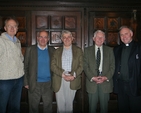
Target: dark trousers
43 90
10 95
128 103
98 96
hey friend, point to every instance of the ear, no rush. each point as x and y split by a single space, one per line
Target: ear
37 38
5 28
93 39
62 39
73 38
48 39
131 32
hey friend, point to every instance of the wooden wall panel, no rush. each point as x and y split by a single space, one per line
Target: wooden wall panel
110 23
54 22
82 18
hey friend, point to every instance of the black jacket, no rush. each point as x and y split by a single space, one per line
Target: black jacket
134 65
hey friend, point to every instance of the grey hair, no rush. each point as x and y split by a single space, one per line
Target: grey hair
99 31
65 32
11 18
125 27
42 30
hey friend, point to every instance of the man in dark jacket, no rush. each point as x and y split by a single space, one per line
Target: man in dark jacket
37 78
127 76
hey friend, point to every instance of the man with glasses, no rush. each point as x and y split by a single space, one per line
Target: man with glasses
11 68
67 65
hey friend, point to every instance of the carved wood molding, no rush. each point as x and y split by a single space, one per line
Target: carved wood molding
46 4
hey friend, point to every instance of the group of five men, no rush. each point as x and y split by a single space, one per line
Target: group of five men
44 70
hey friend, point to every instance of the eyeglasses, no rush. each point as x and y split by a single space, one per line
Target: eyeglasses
43 37
9 26
69 37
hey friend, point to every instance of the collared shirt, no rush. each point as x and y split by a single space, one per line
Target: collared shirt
67 59
13 39
101 51
42 48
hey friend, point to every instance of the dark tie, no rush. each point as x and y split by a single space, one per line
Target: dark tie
98 60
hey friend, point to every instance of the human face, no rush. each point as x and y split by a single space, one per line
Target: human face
43 39
67 40
11 27
99 39
126 35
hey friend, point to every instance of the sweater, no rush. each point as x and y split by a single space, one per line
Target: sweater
11 59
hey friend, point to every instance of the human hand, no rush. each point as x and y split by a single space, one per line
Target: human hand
99 79
69 77
27 87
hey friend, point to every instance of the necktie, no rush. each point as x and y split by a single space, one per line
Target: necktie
98 60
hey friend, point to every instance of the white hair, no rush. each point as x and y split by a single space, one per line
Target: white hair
99 31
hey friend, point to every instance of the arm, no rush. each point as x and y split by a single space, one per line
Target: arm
77 65
56 66
89 63
26 67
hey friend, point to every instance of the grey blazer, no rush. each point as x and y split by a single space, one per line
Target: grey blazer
30 66
90 68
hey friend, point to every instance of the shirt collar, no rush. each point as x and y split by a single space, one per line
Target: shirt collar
129 44
14 39
96 47
68 48
42 48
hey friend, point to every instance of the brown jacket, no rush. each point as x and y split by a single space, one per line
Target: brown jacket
77 67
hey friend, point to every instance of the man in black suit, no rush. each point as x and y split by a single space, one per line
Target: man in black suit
127 76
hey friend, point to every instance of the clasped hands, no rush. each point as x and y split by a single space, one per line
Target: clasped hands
68 77
99 79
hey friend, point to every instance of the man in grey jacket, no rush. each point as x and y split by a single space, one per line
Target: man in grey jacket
99 82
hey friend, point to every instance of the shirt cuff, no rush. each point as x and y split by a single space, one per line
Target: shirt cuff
74 74
91 79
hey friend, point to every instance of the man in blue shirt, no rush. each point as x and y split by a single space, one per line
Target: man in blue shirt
37 77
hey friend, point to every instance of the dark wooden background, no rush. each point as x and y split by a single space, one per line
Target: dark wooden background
82 18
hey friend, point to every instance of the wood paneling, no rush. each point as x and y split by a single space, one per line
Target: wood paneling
54 22
110 23
82 18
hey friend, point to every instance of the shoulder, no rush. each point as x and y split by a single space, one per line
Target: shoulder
89 48
118 47
31 48
58 50
107 47
76 48
137 44
51 48
3 37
